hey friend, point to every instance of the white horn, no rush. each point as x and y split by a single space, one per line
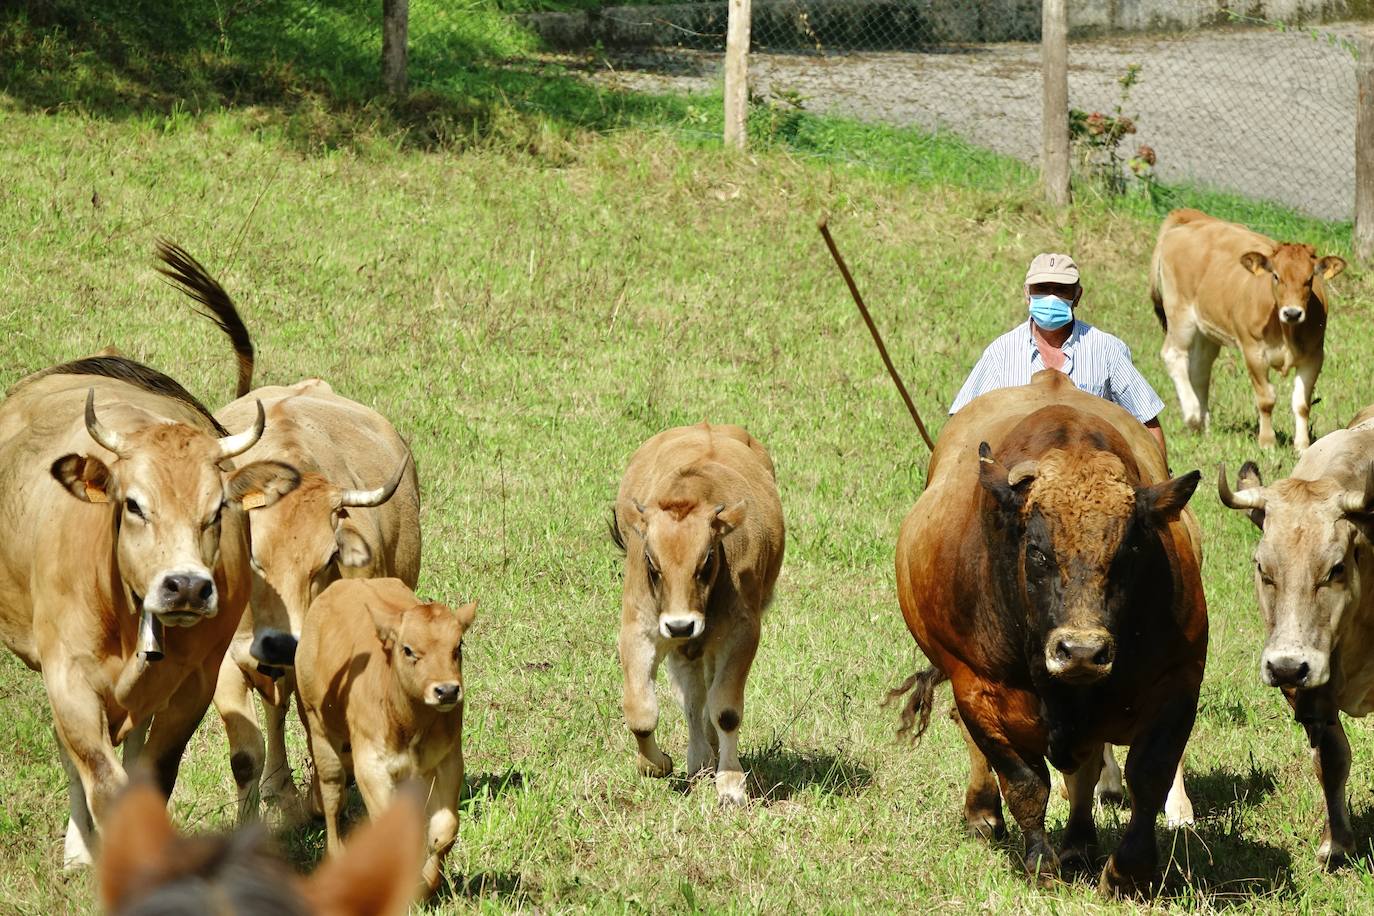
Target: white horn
102 434
237 444
1252 498
1357 503
1024 470
366 499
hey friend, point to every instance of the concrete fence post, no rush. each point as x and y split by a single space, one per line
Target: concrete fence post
737 74
1364 151
1054 61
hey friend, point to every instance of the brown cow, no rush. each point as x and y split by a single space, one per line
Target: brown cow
146 868
1314 582
1048 534
380 676
145 532
1218 284
700 522
356 514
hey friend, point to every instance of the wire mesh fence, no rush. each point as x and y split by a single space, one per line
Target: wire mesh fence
1246 105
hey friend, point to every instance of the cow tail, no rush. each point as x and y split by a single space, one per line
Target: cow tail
187 274
1157 291
915 712
616 537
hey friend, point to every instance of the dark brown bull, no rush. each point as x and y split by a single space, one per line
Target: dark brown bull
1048 537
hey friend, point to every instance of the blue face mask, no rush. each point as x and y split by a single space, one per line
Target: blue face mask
1050 312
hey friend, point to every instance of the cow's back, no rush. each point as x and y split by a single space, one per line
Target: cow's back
1198 273
351 445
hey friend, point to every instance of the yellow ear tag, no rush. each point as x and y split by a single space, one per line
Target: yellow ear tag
95 494
253 501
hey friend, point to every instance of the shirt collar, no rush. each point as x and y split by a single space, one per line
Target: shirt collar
1079 329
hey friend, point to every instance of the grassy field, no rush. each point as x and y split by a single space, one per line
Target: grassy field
527 304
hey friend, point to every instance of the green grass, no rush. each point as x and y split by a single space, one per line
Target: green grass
528 304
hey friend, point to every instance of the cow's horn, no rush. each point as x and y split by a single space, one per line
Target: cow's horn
237 444
1252 498
101 433
1024 470
1357 502
365 499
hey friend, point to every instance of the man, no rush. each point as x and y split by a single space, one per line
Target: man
1052 338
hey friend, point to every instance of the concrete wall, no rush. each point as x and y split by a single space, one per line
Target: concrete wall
876 24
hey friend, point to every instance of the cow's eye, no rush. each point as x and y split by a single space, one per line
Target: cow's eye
132 507
704 574
458 652
408 652
652 569
1263 574
215 519
1337 573
1036 555
1276 277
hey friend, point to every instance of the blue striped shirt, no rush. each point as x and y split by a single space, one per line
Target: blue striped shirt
1095 361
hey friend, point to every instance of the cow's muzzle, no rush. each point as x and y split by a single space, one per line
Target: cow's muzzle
1295 667
1079 656
1291 315
444 696
183 598
681 627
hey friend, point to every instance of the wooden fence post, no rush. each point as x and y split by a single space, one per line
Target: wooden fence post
395 26
737 74
1054 118
1364 151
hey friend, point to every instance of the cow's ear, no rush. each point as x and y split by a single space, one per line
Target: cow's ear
384 620
1164 501
262 483
1007 487
353 550
467 614
728 518
1329 266
1256 262
137 842
84 477
375 874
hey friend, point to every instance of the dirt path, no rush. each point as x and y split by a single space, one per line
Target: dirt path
1266 114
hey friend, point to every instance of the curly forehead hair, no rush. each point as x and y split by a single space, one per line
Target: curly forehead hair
234 875
1080 491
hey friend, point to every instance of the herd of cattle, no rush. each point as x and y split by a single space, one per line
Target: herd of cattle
272 549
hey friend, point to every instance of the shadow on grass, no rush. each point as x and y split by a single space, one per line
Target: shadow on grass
778 773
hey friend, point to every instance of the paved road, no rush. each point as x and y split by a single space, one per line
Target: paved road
1263 113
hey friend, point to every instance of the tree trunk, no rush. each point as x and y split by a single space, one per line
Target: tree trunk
1054 59
737 74
395 25
1364 151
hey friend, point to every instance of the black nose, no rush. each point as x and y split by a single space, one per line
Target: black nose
1287 672
680 630
273 648
1083 649
1291 314
181 591
447 693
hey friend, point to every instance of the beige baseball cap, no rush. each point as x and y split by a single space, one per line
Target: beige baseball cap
1052 268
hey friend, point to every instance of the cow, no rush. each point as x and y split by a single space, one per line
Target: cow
1314 582
1218 284
699 520
355 514
1049 534
119 518
147 868
380 676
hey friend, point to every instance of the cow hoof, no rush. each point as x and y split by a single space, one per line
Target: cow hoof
1076 863
1115 883
1177 820
656 768
1111 798
1332 856
75 852
730 789
985 827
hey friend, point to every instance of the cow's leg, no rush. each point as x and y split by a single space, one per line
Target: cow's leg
94 773
234 703
278 786
1080 833
725 705
1178 807
442 811
1304 381
1150 767
331 782
639 658
173 727
1258 366
1025 782
132 747
1202 355
1109 790
1332 760
1174 352
688 677
983 798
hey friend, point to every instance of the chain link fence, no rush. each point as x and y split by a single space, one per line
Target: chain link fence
1249 105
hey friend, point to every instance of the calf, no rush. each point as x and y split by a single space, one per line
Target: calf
1314 582
380 676
700 522
1218 284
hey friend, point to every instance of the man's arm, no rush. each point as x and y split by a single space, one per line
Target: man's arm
1158 432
